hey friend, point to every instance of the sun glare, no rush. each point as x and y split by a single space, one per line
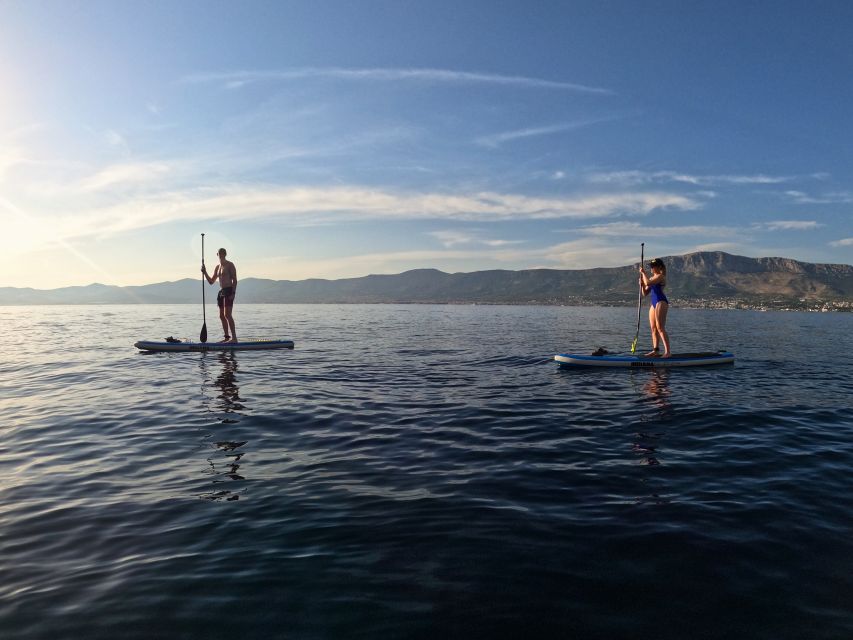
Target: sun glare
28 232
33 234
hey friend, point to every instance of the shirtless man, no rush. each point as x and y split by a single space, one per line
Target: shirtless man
227 274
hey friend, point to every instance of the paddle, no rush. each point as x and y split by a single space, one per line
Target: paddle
202 337
639 302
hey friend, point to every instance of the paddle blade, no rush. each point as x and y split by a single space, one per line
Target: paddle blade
202 337
634 345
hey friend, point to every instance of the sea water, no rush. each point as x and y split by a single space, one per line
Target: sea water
423 472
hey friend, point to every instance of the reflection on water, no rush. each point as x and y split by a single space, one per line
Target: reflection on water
654 392
226 382
423 471
224 464
657 392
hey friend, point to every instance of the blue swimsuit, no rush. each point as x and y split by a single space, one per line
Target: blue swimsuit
657 294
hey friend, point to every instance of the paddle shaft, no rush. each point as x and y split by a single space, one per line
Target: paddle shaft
639 298
203 335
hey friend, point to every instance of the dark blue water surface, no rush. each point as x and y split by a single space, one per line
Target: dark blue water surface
423 472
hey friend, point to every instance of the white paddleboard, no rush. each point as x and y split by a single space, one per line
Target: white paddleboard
184 345
636 361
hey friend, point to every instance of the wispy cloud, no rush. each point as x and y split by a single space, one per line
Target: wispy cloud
731 247
12 147
844 242
34 233
448 259
753 179
456 238
497 139
788 225
237 79
633 178
569 255
115 139
312 205
833 197
637 230
9 159
24 131
582 253
587 253
125 175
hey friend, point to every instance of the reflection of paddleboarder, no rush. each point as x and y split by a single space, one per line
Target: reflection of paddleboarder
225 462
227 383
226 272
656 391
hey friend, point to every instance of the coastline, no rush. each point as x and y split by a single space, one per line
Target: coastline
727 304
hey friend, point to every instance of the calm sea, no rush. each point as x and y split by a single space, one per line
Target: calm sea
423 472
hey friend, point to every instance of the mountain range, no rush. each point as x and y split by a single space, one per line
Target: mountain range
694 278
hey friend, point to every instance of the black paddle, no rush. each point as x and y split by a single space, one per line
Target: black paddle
202 337
639 302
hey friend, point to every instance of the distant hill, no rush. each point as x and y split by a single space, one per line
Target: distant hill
704 278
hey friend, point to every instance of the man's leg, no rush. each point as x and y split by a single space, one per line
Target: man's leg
229 318
223 318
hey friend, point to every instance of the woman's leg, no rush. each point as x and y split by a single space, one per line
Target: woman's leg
653 327
660 322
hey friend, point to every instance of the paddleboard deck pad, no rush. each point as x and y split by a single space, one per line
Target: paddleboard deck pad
184 345
645 362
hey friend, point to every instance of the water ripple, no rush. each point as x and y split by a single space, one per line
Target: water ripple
424 471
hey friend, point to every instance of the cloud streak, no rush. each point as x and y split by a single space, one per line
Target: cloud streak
11 158
633 178
569 255
497 139
237 79
128 174
456 238
637 230
126 198
311 205
836 197
789 225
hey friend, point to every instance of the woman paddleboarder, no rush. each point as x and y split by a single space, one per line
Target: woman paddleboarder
659 305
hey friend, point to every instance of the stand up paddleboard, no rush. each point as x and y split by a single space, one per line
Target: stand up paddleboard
645 362
183 345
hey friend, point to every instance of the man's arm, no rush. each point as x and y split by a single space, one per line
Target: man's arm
210 280
234 277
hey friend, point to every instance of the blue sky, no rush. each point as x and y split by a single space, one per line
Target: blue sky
337 139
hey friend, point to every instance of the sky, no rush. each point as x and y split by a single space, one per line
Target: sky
336 139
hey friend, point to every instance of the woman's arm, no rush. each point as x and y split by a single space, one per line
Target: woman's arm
644 287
